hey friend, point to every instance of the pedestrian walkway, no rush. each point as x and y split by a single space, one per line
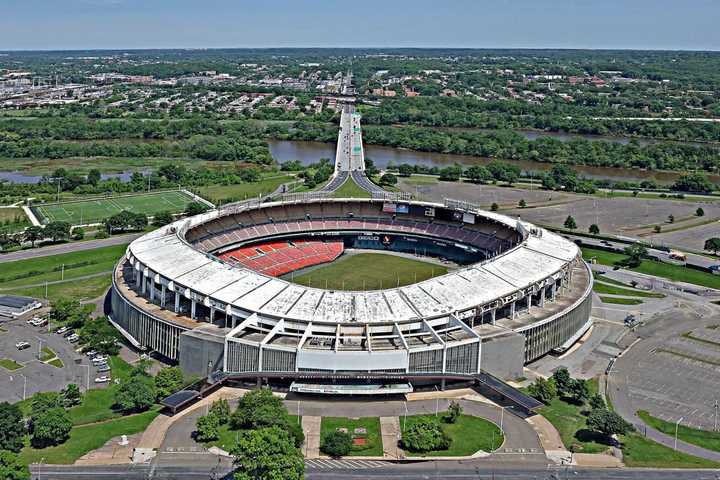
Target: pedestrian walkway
311 429
390 433
345 464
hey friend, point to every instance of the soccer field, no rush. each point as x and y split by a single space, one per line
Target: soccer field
368 271
95 211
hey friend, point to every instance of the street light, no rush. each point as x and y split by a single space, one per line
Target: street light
437 400
677 424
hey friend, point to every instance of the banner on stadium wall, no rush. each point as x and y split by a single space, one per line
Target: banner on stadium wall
429 212
401 208
457 216
390 207
468 218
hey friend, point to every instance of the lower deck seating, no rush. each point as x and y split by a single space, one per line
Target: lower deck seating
278 258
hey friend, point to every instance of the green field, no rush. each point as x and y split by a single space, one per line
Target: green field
701 438
84 274
368 271
469 435
221 194
9 364
350 189
82 212
630 292
621 301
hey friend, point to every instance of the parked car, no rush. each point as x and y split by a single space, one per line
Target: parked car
73 338
102 379
68 333
91 353
104 368
62 330
99 359
39 322
22 345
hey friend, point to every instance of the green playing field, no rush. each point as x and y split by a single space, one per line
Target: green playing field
95 211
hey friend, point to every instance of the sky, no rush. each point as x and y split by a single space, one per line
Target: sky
126 24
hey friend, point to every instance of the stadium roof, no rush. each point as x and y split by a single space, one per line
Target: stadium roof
163 252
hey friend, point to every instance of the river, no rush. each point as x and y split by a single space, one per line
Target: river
311 152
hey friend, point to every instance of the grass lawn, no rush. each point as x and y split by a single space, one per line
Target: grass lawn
701 438
469 435
373 447
228 437
81 290
621 301
658 269
34 271
641 452
350 189
13 220
85 438
97 403
612 290
368 271
94 211
56 362
46 354
9 364
219 194
419 180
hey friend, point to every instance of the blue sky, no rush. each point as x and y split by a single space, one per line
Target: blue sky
83 24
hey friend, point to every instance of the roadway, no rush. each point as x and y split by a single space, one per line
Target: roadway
68 247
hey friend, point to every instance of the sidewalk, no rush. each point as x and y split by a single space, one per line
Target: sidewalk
390 433
311 429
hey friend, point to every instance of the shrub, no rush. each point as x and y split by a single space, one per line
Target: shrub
453 413
425 435
221 409
207 428
336 444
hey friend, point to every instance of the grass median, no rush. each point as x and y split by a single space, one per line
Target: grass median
613 290
469 435
350 189
367 444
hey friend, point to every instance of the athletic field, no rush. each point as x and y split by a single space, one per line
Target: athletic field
82 212
368 271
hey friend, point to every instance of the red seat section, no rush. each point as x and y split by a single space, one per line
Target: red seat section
278 258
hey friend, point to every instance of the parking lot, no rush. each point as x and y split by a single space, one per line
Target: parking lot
35 375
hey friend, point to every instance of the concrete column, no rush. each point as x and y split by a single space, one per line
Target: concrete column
177 301
529 301
193 304
512 310
542 296
138 276
152 290
553 291
492 313
144 284
162 295
212 315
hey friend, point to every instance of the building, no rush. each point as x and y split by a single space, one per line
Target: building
13 306
179 292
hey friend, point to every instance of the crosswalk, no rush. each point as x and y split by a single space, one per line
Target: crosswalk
328 464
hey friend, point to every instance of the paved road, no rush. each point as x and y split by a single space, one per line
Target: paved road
68 247
207 468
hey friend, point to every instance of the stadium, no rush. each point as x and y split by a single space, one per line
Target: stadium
215 293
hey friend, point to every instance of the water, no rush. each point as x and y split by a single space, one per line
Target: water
19 177
311 152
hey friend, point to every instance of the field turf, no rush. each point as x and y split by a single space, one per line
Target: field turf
95 211
368 271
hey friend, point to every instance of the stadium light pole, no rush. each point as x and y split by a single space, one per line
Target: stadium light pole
677 425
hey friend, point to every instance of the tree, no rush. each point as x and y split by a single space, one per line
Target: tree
671 218
578 391
451 173
562 380
33 234
693 182
71 395
478 174
99 335
494 207
712 245
162 218
78 233
425 435
168 381
43 401
125 220
336 444
522 203
259 408
12 427
453 413
388 179
570 223
405 170
267 454
635 254
50 427
94 176
57 231
543 390
596 402
370 169
12 468
207 428
594 229
135 394
657 229
196 208
607 422
69 312
221 409
700 212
